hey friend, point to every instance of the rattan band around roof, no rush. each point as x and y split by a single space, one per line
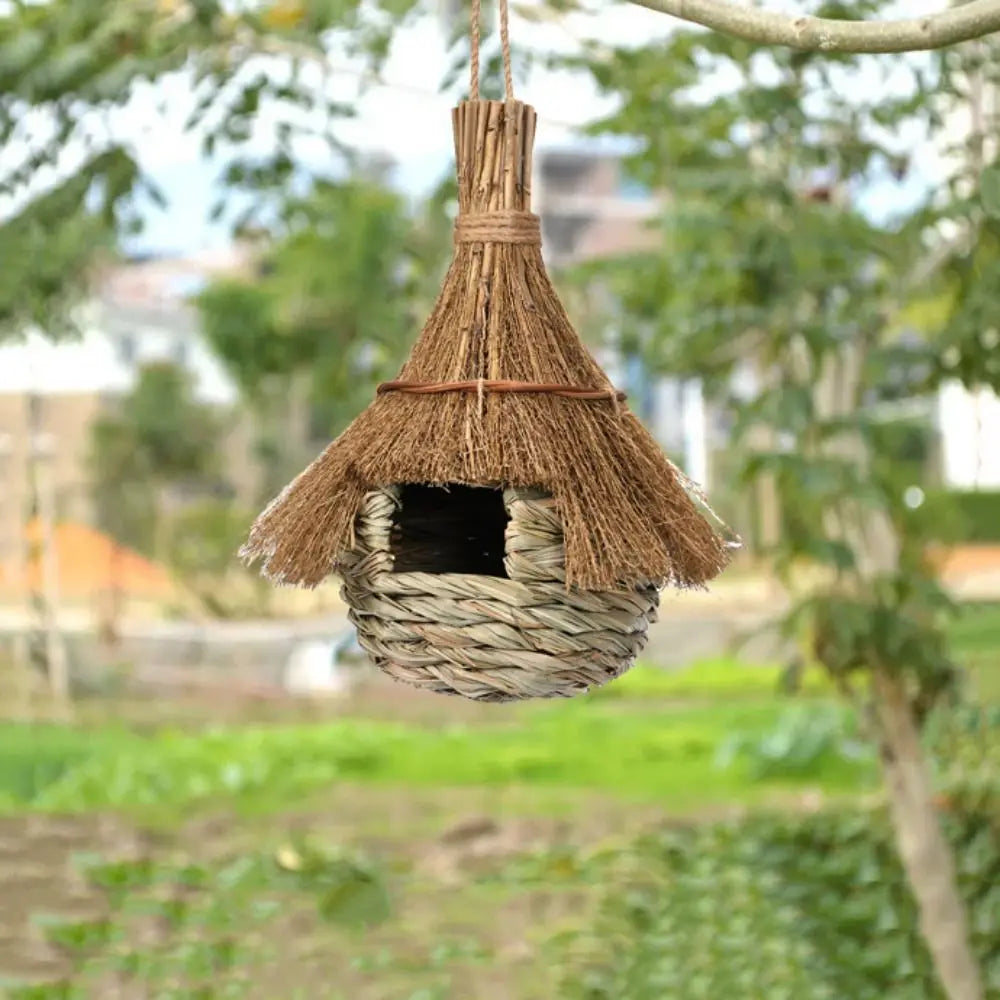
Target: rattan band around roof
484 385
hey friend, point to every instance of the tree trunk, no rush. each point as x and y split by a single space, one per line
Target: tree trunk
12 511
55 648
926 855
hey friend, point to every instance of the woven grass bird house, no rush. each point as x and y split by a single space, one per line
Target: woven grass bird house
502 523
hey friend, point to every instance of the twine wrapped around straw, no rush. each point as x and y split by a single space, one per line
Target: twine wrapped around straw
498 392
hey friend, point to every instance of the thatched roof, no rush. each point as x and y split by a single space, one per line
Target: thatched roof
626 514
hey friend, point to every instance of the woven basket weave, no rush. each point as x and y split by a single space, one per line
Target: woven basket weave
485 637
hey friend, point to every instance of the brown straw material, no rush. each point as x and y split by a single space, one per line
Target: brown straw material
482 385
627 515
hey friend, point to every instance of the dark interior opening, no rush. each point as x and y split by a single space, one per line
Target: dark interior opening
453 529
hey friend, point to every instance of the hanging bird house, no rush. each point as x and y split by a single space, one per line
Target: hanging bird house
502 523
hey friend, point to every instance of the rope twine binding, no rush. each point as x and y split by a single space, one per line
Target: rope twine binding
591 517
499 227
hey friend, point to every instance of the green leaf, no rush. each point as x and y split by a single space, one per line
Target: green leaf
989 190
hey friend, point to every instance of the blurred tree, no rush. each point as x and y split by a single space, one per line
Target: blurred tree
250 78
50 251
342 290
769 269
161 439
68 68
200 542
968 331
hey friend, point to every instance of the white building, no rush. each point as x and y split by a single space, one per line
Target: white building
969 428
139 317
105 359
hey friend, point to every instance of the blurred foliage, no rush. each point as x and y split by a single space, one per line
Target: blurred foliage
969 334
977 511
73 74
804 742
201 541
765 905
35 756
710 680
350 890
662 753
809 903
341 291
64 61
159 438
965 744
202 538
813 907
186 928
777 290
773 273
762 905
669 729
50 250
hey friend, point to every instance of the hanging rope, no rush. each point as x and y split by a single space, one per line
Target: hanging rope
475 18
508 76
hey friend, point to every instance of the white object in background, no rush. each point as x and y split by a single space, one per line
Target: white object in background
312 669
695 425
36 364
322 666
969 424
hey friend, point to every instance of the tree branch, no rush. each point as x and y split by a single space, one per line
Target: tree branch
819 34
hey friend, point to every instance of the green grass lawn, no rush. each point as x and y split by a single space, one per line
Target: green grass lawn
630 746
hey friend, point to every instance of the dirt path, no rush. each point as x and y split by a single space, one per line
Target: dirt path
41 880
436 844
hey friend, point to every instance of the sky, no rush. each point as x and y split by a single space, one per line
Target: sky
409 117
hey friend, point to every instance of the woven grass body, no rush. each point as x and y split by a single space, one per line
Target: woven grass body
620 521
486 637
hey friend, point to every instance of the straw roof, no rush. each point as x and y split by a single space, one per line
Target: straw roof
627 517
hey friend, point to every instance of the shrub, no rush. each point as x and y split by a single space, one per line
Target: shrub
807 741
812 907
974 518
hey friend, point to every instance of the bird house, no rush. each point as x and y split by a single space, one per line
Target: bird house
502 523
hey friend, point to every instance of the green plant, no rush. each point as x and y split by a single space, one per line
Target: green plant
161 438
200 543
207 924
714 680
977 511
34 757
806 741
348 889
776 906
641 753
329 313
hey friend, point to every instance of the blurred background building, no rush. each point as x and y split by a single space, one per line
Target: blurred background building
139 315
